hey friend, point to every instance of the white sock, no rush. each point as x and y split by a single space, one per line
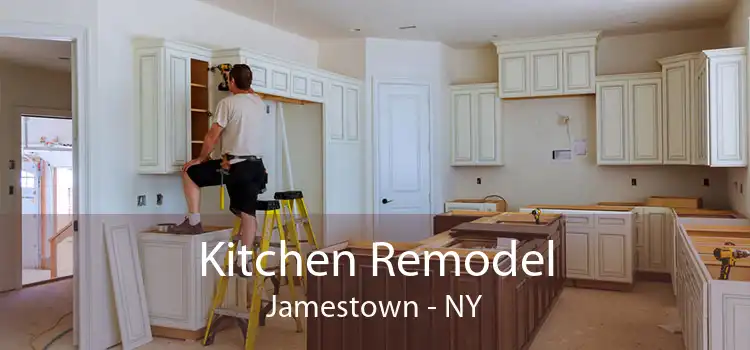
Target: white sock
194 218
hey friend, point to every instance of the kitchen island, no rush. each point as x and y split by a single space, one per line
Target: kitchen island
509 309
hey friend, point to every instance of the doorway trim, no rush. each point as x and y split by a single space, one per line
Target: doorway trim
375 144
82 67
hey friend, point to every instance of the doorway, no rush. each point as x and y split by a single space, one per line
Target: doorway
46 198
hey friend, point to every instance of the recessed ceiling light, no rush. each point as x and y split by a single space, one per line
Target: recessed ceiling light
408 27
634 22
355 30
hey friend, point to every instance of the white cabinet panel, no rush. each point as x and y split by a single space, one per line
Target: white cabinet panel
611 259
476 130
317 88
461 127
514 72
677 133
700 114
149 70
580 258
178 108
546 72
487 127
300 85
280 81
334 111
580 70
612 126
352 108
645 121
727 109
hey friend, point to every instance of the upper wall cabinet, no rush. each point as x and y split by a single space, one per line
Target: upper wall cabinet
705 108
547 66
276 77
171 102
476 131
629 119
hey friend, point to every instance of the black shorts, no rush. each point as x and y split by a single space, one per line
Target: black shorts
245 181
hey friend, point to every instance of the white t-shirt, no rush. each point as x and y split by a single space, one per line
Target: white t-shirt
241 117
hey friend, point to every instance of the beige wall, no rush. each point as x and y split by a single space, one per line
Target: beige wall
737 33
531 131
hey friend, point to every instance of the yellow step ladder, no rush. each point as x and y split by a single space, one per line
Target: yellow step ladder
249 321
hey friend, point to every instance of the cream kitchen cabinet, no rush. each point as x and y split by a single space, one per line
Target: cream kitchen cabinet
163 75
629 119
476 125
705 108
600 245
654 240
547 66
177 292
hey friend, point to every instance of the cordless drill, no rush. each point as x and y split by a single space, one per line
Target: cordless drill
224 68
728 257
537 213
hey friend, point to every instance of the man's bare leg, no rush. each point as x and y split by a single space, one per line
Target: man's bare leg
248 230
193 198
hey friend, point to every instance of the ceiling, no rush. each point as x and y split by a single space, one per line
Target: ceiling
471 23
36 53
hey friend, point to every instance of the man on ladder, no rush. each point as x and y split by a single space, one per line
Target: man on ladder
239 126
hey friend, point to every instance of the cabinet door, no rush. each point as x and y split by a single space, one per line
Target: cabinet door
487 121
677 113
514 74
261 75
546 73
727 111
281 80
149 79
300 85
317 88
611 122
700 114
579 253
657 242
178 108
614 247
645 121
579 70
461 128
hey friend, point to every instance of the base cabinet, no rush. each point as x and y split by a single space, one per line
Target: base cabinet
178 294
600 245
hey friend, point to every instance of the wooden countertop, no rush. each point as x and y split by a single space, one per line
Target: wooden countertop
580 207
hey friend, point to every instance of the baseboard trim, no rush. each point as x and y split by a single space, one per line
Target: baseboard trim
653 276
603 285
52 280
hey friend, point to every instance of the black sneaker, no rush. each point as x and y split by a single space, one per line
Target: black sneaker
186 229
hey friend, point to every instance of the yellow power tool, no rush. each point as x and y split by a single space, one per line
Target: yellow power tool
537 213
728 257
224 68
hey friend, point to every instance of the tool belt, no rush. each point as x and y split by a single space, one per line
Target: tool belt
230 157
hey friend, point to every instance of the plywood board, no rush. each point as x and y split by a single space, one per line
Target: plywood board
580 207
127 283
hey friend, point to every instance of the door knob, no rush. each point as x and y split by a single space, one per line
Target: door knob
386 201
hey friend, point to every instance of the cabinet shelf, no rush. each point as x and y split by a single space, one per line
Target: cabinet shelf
199 110
199 85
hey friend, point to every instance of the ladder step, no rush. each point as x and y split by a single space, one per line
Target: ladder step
232 313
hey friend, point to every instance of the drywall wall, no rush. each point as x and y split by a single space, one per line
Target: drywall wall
74 12
28 87
531 133
343 56
737 31
638 53
472 66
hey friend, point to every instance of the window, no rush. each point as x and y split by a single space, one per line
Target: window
28 180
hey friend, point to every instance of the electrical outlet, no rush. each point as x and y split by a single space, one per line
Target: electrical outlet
142 200
633 182
479 181
159 199
706 183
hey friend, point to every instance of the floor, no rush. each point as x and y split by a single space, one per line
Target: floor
581 320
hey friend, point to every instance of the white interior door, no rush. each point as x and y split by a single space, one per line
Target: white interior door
402 119
31 209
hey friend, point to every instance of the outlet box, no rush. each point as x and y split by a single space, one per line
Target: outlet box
159 199
142 200
479 181
633 182
706 182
